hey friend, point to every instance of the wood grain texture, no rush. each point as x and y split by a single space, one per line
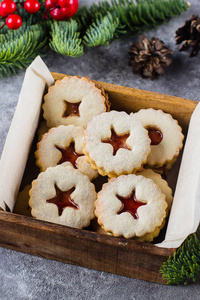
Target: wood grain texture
81 247
90 249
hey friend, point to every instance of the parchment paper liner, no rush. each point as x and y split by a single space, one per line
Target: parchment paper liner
22 131
185 213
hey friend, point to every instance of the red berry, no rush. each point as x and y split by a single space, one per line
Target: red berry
13 21
7 7
61 9
65 12
57 14
64 3
2 13
32 6
50 4
71 7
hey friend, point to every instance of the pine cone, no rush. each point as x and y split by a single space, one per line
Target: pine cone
190 34
148 58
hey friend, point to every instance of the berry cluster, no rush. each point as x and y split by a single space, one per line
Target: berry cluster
58 10
61 9
9 8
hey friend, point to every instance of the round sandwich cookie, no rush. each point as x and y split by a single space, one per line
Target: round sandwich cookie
63 195
161 183
21 206
74 100
42 129
116 143
165 134
164 187
131 206
63 144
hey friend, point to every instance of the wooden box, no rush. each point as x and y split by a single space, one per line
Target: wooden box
87 248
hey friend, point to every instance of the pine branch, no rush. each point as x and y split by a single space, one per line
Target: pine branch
64 38
18 48
83 17
86 17
101 31
98 25
100 8
184 265
144 15
105 22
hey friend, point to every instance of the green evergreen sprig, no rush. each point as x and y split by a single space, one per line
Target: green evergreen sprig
102 23
142 15
19 48
184 266
101 31
98 25
65 38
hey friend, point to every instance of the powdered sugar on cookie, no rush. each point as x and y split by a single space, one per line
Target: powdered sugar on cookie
130 205
166 136
64 196
74 100
116 143
61 144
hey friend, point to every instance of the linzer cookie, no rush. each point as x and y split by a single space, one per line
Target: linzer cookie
149 237
43 128
63 144
74 100
63 195
164 187
165 134
131 206
21 206
161 183
116 143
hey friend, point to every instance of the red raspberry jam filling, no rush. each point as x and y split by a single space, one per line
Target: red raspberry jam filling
117 141
63 199
130 204
69 154
155 135
72 109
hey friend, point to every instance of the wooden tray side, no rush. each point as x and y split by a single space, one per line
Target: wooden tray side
89 249
83 248
132 100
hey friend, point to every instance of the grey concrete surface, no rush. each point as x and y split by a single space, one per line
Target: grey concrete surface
25 277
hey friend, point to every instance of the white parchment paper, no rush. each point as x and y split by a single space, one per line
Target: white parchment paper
22 131
185 213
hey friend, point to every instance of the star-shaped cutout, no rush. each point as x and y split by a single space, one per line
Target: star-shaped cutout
117 141
130 204
72 109
63 199
69 154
